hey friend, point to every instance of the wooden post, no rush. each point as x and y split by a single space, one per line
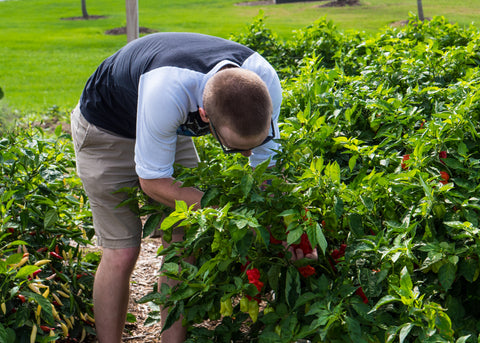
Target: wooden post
132 19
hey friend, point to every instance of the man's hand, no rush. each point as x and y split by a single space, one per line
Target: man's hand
298 254
167 190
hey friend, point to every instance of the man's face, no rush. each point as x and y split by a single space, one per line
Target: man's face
232 142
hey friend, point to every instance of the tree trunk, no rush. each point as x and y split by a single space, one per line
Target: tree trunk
132 19
420 10
84 9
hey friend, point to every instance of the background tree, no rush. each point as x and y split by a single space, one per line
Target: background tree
420 10
84 9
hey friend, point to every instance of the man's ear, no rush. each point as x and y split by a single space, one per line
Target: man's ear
203 115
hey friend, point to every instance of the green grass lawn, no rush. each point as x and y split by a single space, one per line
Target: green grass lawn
45 59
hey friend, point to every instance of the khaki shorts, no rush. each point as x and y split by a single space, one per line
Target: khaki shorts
105 163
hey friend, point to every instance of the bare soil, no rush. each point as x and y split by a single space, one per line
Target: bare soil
90 17
143 279
341 3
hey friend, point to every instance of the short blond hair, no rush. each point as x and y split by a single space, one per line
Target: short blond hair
239 99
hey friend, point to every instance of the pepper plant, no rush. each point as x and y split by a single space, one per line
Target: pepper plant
46 276
379 171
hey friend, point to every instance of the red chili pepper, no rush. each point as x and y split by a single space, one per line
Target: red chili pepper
56 255
405 158
254 278
253 274
362 295
45 328
304 244
22 298
307 271
445 177
42 249
273 240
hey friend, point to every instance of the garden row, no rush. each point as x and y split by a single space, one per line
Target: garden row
46 275
379 169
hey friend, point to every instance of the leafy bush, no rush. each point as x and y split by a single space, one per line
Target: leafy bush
379 169
46 277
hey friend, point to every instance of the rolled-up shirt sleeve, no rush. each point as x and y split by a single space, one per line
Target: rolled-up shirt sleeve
159 114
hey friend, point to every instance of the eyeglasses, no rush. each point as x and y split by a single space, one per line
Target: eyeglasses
233 151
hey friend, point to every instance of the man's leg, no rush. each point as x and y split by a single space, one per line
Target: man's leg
105 163
111 292
176 333
186 156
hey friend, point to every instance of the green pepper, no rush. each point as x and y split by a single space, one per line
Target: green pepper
253 310
244 304
226 308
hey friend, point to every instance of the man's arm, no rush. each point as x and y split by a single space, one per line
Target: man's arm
167 190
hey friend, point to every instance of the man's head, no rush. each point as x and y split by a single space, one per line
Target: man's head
237 104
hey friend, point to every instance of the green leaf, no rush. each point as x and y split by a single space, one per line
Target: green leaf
3 267
171 220
243 245
387 299
274 275
320 238
217 241
58 130
246 184
446 275
261 168
463 339
354 330
181 206
404 331
292 287
16 243
405 280
338 207
294 235
170 267
467 268
352 162
209 195
183 292
173 315
13 259
26 271
305 298
7 335
50 219
444 324
332 171
152 296
356 225
131 318
151 224
44 303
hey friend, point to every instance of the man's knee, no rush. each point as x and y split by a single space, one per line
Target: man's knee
120 260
